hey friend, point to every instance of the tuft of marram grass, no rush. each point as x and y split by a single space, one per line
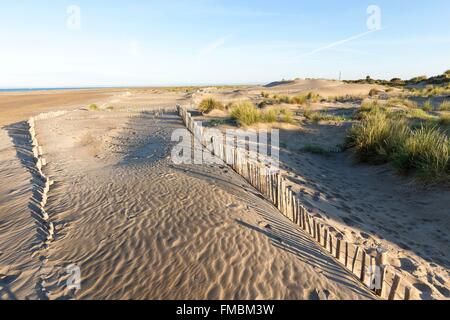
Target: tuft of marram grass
94 107
270 116
419 114
316 116
380 138
208 105
300 99
427 106
444 106
245 113
376 136
427 152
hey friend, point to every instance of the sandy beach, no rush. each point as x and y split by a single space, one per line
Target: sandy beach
140 227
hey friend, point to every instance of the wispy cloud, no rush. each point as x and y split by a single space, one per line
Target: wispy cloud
332 45
213 46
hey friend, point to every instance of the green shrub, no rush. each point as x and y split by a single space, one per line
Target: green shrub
208 105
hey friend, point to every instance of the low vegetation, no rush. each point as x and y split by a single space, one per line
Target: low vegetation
427 106
315 149
94 107
247 114
430 90
317 116
345 98
444 106
208 105
397 82
401 102
300 99
383 137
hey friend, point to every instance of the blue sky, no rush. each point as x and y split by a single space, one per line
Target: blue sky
138 42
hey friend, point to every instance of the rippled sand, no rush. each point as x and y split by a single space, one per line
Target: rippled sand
140 227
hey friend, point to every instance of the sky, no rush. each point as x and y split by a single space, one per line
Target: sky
78 43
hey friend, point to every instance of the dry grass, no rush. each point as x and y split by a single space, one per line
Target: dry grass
427 106
208 105
247 114
401 102
444 106
316 116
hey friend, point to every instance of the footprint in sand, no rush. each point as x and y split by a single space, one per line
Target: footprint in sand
319 294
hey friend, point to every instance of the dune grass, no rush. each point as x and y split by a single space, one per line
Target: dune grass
427 106
94 107
381 138
427 152
247 114
419 114
318 116
300 99
444 106
208 105
431 90
401 102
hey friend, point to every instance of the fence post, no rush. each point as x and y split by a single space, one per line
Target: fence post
278 191
381 263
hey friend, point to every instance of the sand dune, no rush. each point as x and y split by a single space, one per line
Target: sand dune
326 88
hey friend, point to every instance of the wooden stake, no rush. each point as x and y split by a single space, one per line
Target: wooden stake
394 287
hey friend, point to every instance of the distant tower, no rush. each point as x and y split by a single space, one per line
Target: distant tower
340 75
